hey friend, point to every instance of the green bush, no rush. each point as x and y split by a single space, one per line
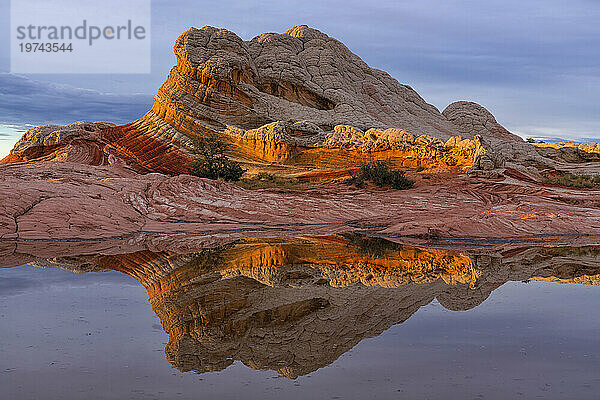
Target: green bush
381 174
577 181
212 162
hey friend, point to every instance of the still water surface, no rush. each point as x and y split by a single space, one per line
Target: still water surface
281 321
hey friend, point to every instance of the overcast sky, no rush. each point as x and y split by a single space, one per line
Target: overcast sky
534 64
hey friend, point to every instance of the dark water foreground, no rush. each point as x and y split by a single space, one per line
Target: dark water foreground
341 316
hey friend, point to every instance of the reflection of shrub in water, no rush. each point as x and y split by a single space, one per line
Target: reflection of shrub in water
372 246
585 251
264 180
207 259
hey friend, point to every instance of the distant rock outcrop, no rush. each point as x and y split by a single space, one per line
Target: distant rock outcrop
100 143
570 151
471 118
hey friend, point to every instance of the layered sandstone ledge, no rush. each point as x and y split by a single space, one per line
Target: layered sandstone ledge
586 147
576 153
68 201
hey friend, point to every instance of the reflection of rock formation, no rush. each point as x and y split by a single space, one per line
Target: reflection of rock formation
295 305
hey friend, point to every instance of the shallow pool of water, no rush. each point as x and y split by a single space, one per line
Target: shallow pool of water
186 333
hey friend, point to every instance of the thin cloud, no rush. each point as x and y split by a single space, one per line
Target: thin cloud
28 101
532 63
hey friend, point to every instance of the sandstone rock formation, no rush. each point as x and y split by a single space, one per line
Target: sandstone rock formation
99 143
292 103
294 305
580 154
301 104
301 74
592 148
470 118
300 99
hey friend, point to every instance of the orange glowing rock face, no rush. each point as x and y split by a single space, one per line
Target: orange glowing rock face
99 143
324 162
298 101
11 159
146 150
592 148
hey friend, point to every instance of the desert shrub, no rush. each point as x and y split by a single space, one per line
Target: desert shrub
212 163
577 181
371 246
381 174
532 140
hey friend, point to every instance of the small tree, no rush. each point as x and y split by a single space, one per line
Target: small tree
382 174
212 162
